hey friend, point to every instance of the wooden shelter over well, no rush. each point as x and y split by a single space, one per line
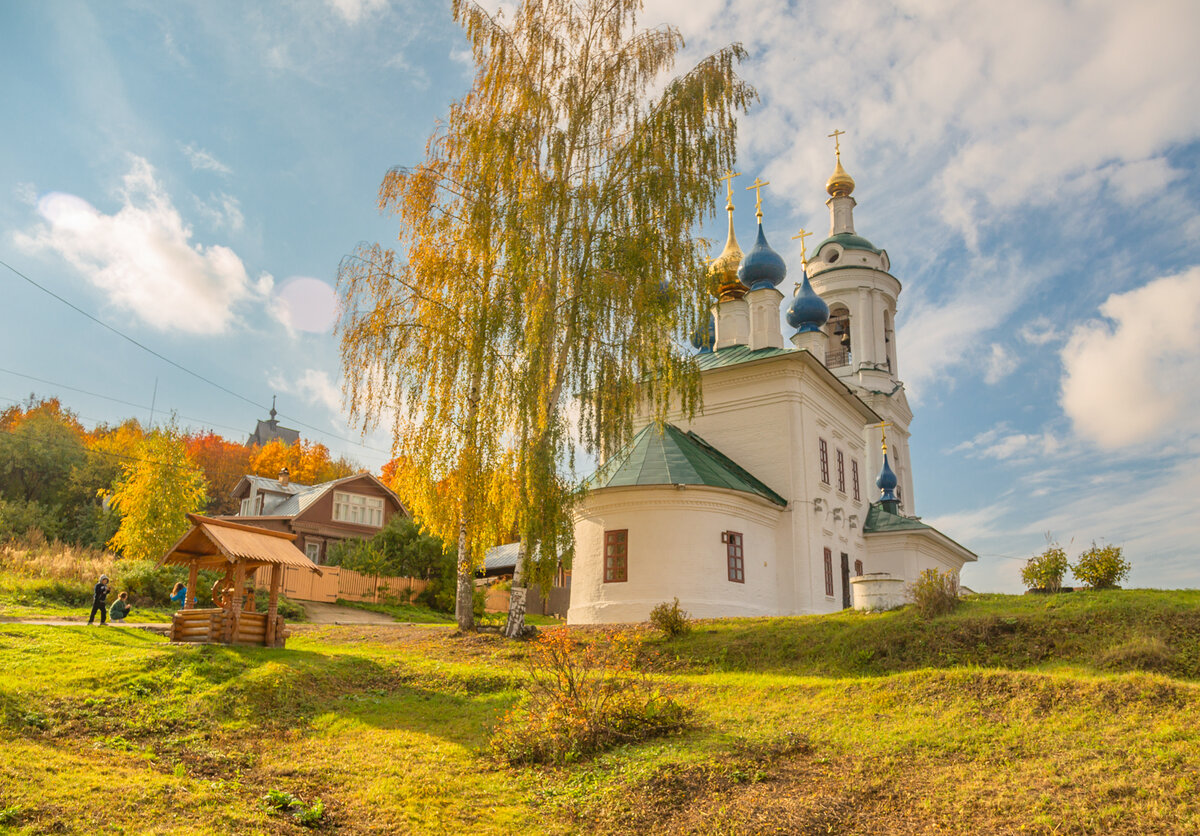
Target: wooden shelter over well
238 551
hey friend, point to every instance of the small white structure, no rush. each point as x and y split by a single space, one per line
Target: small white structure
760 505
878 591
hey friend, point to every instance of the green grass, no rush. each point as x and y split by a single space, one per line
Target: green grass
1015 714
417 614
401 612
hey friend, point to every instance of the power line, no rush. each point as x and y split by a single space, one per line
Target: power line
88 450
114 400
179 366
203 422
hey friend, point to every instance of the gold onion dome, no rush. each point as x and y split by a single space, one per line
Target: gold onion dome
724 268
723 271
840 183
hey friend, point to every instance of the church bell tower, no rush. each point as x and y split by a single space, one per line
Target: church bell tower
851 275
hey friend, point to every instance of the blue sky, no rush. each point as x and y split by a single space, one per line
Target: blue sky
192 172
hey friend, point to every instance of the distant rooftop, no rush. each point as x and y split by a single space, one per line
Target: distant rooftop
269 430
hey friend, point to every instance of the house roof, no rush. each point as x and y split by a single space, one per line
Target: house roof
501 557
262 483
881 521
674 457
735 354
213 543
301 496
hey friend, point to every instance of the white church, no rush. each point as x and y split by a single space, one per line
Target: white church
792 491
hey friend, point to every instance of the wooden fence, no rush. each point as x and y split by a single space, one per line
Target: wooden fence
335 582
556 603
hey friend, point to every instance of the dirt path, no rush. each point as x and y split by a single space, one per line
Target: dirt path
333 614
152 626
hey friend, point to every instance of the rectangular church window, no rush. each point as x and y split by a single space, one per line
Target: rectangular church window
828 573
735 557
824 461
858 570
854 475
841 460
616 556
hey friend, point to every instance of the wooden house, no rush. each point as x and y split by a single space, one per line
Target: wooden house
354 507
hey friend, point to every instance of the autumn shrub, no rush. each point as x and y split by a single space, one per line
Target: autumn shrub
935 593
583 698
1141 653
1046 570
671 619
1101 567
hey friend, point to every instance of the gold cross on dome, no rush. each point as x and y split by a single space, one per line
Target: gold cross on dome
757 186
728 178
837 141
883 435
803 250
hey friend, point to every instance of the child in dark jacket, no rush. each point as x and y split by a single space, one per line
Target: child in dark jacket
99 601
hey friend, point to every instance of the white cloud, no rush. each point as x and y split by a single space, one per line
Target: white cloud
143 258
1127 380
938 334
1001 443
352 11
315 386
964 107
202 160
25 193
1000 364
224 211
1040 331
416 75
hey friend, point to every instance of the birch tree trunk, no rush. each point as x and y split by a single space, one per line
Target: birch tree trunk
515 625
464 601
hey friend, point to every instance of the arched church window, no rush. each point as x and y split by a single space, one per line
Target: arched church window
839 351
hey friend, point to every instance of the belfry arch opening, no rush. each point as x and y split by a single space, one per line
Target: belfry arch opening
840 350
889 342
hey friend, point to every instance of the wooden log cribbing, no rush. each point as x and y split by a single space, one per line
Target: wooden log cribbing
197 625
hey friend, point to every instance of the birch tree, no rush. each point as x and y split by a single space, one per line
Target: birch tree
548 268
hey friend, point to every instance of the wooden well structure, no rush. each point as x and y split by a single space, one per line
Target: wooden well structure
239 551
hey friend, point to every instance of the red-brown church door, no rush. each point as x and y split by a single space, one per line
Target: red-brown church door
845 581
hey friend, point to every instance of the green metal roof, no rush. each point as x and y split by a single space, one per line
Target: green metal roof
734 354
675 457
880 520
849 241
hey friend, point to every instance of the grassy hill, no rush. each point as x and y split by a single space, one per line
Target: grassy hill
1078 713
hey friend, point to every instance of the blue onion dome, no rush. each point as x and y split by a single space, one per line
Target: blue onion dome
762 267
808 311
887 482
705 336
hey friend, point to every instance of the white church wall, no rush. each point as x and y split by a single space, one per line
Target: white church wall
826 517
907 554
674 550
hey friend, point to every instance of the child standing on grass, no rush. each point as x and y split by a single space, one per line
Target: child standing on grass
120 607
99 599
179 593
